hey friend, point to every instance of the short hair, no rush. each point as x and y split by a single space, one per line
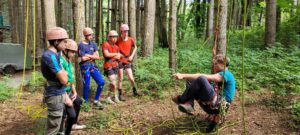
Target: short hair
222 59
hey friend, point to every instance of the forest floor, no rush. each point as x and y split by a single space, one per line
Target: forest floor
147 116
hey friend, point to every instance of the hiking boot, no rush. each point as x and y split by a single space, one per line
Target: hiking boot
121 97
211 127
109 101
186 108
135 93
78 127
97 104
176 99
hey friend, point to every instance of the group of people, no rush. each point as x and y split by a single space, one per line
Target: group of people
60 94
118 51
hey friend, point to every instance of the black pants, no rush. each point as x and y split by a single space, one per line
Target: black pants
199 89
72 114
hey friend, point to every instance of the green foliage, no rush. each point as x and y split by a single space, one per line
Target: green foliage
6 92
36 81
85 106
152 74
101 120
296 114
289 32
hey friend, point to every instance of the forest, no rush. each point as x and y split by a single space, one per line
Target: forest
174 40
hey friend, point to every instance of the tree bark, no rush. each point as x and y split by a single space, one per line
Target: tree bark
91 13
98 23
221 48
149 28
172 36
278 18
138 19
125 11
49 10
132 19
270 32
114 15
210 20
120 12
108 17
13 12
79 24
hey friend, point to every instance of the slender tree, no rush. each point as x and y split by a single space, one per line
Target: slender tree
138 18
221 48
114 15
79 24
210 20
149 28
125 11
172 36
270 32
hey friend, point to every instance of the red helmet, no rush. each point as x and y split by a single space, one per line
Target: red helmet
124 27
55 33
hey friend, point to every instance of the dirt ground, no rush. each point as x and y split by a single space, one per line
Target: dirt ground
148 116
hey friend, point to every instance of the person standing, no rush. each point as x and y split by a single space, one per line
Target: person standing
88 52
57 78
128 49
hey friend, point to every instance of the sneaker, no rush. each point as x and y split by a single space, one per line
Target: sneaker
176 99
135 93
109 101
60 133
117 99
78 127
97 104
121 97
186 108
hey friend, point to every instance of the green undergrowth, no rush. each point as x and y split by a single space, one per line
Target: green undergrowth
6 92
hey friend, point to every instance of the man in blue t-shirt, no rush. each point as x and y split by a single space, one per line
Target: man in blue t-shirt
88 51
199 88
57 78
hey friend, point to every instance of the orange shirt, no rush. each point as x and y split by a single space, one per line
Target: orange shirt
110 62
125 46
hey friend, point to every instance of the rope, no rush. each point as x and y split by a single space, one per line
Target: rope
243 67
25 51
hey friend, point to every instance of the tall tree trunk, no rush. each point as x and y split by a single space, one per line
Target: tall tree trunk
172 36
49 10
21 21
99 22
163 24
184 18
39 31
198 18
278 18
221 49
149 28
178 7
125 11
91 13
142 22
210 20
79 24
114 15
120 12
270 32
108 16
249 6
138 18
235 11
158 22
132 19
13 12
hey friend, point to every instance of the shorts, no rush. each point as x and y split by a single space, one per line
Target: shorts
111 71
124 65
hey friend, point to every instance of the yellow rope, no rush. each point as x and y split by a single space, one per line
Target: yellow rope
25 51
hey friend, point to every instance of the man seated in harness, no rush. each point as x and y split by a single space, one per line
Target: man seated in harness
111 54
200 88
88 51
57 78
128 49
72 112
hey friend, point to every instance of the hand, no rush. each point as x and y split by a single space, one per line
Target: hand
130 58
178 76
68 101
73 97
118 56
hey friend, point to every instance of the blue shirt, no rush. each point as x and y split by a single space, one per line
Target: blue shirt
229 85
84 49
50 65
